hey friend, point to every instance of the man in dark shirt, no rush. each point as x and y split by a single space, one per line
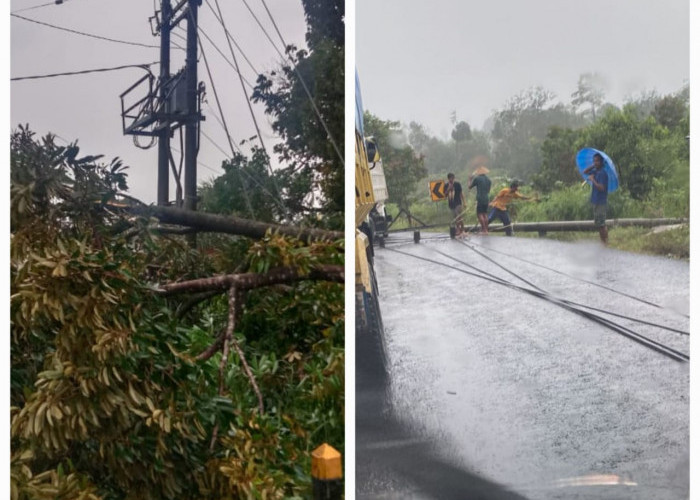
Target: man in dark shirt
455 200
599 194
483 187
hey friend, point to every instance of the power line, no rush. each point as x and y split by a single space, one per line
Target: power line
216 97
246 198
252 114
32 8
579 279
263 29
200 163
173 32
622 330
240 171
85 34
86 71
233 55
233 40
306 89
222 122
180 37
215 115
225 58
214 143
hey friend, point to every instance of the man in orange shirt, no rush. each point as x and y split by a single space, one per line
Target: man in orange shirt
499 205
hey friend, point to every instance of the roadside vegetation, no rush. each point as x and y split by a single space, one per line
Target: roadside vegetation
534 139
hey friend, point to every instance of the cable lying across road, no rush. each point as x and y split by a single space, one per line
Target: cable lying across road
580 279
572 303
576 303
404 242
502 267
622 330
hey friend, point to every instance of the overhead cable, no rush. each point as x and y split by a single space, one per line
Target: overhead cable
233 39
86 71
234 148
214 143
85 34
247 98
32 8
250 177
216 117
252 114
263 29
200 163
225 58
682 332
173 32
246 198
216 97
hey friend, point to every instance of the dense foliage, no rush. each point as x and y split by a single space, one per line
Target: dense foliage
247 188
119 391
312 85
403 166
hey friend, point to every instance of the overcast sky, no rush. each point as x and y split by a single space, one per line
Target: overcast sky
88 108
421 60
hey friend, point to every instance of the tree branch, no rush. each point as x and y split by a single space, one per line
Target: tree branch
228 336
193 301
235 302
211 350
249 373
249 281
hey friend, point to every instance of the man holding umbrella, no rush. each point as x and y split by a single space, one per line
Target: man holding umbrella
599 194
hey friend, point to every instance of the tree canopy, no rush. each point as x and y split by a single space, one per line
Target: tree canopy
306 97
144 369
589 91
403 166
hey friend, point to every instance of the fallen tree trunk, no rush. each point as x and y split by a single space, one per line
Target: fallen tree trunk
229 224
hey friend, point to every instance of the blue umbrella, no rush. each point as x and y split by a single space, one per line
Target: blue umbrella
584 159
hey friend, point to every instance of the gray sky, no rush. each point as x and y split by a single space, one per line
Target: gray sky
88 108
421 60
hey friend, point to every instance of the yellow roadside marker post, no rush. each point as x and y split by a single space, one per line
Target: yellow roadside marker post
327 473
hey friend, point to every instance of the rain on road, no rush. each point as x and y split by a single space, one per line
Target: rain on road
520 391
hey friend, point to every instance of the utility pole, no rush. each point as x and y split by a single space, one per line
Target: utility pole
164 125
192 123
172 104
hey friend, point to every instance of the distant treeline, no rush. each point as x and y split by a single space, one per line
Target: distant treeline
534 139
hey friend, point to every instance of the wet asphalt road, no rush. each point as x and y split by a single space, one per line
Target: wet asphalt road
494 392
